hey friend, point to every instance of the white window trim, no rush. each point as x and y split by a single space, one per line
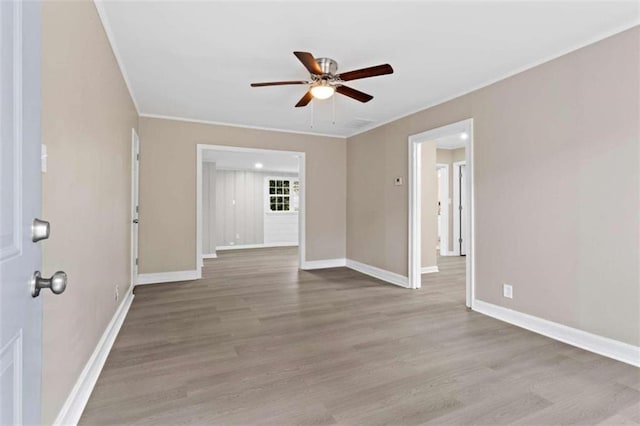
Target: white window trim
267 195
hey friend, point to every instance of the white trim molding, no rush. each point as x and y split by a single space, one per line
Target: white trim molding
102 14
323 264
77 400
242 126
473 87
381 274
429 269
168 277
210 256
372 271
604 346
254 246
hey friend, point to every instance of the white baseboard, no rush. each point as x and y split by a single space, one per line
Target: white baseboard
253 246
381 274
168 277
323 264
209 256
77 399
429 269
591 342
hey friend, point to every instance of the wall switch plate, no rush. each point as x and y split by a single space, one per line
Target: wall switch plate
43 158
507 291
398 181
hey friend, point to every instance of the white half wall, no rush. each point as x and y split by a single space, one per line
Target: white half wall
281 228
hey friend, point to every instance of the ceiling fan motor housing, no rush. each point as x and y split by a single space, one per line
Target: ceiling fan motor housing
328 65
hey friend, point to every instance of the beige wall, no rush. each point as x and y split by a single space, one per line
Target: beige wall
209 207
168 188
87 116
443 156
556 148
429 206
457 155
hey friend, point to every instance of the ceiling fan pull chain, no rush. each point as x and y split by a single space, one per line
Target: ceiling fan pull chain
311 119
333 103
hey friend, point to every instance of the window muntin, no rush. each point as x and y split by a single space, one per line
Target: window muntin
283 194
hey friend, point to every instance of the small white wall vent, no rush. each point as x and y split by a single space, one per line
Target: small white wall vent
358 123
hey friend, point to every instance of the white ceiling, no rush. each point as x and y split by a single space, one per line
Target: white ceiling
271 161
195 60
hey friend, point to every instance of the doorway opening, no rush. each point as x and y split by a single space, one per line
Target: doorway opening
441 201
249 198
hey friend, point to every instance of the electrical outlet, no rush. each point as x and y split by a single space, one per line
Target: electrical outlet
507 291
117 292
237 236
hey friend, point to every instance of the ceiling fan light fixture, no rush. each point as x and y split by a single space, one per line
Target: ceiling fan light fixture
322 91
324 81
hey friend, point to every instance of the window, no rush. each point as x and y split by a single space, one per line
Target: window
283 194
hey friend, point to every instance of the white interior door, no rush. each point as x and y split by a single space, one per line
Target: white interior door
460 211
463 209
20 313
135 219
439 170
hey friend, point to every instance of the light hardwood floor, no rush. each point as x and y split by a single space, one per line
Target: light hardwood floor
257 341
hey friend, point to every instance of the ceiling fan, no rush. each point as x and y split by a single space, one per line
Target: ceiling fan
324 82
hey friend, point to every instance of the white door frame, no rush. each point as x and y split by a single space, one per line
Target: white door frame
415 174
456 206
444 208
135 197
200 148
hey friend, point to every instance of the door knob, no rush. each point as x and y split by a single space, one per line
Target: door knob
57 283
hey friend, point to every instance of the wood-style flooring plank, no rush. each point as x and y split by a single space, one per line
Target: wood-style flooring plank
257 341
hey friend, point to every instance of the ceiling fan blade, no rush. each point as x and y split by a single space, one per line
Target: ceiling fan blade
366 72
278 83
304 101
309 62
353 93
